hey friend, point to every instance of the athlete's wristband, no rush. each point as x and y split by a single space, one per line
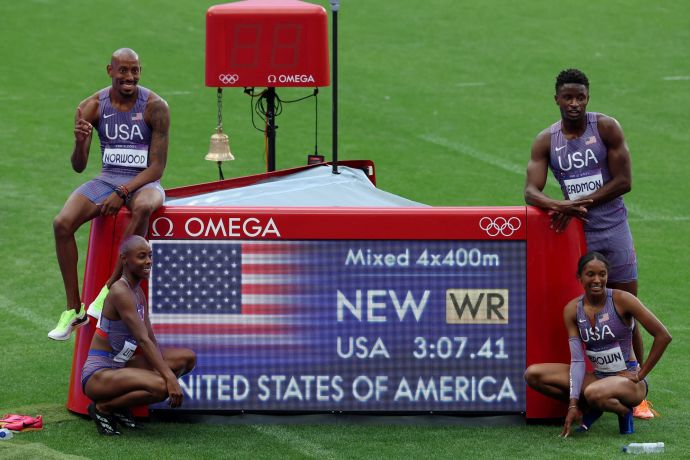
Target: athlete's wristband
122 192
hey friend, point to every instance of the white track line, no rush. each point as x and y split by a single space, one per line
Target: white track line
476 154
8 306
470 83
677 78
294 441
20 449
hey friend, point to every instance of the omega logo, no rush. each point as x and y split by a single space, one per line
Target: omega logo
167 223
291 78
224 227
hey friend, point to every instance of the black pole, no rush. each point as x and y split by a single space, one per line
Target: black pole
219 96
335 6
271 128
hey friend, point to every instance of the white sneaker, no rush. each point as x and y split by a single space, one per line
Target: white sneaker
69 321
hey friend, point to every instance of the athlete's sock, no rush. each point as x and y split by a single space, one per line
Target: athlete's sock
625 423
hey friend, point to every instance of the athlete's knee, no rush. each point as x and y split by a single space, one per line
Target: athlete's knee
189 360
142 209
595 395
62 226
533 375
159 389
183 362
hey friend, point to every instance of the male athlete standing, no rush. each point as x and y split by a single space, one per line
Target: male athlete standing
132 124
589 158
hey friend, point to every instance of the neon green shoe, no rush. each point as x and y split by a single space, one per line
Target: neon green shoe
69 321
96 307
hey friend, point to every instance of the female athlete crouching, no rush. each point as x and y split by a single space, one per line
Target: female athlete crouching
125 366
602 320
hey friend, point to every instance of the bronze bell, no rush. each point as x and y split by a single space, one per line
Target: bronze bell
219 149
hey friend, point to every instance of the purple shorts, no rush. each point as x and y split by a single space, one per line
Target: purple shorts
101 187
96 361
616 244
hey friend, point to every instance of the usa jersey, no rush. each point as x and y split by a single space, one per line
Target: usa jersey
608 340
581 167
125 137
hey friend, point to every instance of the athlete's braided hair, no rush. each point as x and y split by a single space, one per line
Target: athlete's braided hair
571 76
590 256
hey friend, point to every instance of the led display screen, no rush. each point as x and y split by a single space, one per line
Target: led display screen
345 325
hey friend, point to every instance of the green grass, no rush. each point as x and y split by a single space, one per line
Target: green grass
445 97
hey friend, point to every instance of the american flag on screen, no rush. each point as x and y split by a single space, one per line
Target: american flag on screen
201 292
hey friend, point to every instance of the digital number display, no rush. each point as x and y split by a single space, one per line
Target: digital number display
267 44
284 44
351 325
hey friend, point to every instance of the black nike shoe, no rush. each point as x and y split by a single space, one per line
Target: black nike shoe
105 423
125 418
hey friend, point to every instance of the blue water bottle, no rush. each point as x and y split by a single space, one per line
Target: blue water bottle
5 434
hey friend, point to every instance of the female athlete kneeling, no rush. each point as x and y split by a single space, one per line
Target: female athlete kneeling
602 321
125 366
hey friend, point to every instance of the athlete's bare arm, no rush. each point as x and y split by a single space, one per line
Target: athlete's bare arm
157 116
537 171
570 320
149 328
124 302
631 307
611 134
84 121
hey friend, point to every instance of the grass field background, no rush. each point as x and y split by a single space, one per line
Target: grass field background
444 96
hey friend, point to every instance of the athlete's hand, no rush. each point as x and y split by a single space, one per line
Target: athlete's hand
175 395
111 205
559 221
569 419
630 375
82 128
574 208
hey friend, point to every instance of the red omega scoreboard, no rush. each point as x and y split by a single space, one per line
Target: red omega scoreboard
383 310
267 43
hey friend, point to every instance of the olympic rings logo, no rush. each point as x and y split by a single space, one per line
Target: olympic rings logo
228 79
499 225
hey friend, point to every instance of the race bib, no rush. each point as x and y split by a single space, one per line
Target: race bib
129 156
127 352
609 361
581 187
